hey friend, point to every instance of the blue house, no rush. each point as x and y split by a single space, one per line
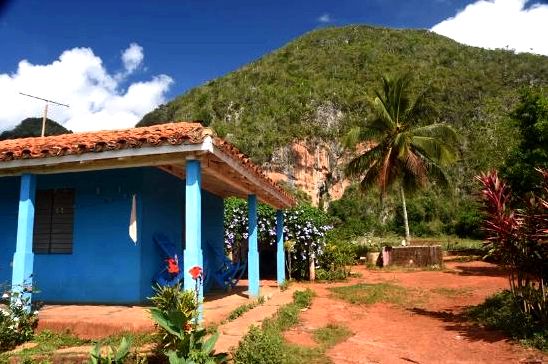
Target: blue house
78 212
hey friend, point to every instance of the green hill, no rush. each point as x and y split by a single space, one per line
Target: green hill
319 84
32 127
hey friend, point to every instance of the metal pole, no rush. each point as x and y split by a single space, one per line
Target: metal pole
44 119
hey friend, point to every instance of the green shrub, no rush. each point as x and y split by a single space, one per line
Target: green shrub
266 344
304 225
183 341
17 323
260 346
167 300
502 312
333 262
303 299
114 355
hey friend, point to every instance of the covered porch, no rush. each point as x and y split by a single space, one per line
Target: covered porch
171 177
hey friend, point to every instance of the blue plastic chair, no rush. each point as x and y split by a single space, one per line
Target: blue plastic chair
225 274
164 278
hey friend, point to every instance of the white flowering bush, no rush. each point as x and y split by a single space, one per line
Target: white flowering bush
17 322
305 225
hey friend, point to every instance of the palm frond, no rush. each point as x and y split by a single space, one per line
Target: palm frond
415 166
438 130
370 177
435 149
386 171
384 119
352 138
361 163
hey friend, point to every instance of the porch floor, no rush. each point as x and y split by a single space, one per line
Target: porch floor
98 321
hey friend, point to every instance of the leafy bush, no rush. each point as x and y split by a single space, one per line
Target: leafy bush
266 344
337 255
517 238
304 225
176 313
114 355
503 312
17 322
168 300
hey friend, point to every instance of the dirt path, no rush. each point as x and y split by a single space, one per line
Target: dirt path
429 330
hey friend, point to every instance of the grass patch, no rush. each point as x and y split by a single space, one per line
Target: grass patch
368 294
502 312
331 335
240 310
47 342
137 339
266 344
451 292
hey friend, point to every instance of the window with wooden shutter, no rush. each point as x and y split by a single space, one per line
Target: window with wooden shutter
53 221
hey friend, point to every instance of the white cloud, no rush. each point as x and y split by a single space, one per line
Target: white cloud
132 57
325 18
521 25
79 78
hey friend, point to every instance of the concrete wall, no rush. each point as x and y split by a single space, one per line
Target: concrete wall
9 204
105 265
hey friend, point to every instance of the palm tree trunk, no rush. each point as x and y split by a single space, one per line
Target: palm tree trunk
405 221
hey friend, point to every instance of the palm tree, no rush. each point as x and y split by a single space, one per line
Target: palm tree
402 149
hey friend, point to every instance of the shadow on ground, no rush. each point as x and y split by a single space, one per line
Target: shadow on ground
485 271
460 323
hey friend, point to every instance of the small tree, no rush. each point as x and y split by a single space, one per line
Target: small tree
518 238
402 151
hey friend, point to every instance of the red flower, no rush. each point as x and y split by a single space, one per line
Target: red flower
195 272
172 266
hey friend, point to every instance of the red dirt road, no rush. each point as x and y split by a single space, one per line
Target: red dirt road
430 330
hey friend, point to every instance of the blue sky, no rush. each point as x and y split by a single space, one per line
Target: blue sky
191 41
179 44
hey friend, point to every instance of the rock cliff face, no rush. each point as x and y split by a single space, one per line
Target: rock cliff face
315 167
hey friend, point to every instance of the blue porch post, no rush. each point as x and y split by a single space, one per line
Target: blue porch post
23 258
253 250
193 226
280 254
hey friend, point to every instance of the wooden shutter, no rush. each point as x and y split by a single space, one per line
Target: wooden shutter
53 222
62 222
42 221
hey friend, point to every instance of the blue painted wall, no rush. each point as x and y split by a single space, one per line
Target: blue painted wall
106 266
9 204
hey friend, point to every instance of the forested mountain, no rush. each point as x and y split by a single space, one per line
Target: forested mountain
32 127
289 109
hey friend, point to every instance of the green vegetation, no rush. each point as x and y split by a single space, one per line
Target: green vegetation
45 343
331 335
503 312
32 127
266 344
286 94
176 313
404 148
369 294
113 355
531 119
240 310
451 292
318 87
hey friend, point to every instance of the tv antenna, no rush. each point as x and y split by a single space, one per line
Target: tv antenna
45 109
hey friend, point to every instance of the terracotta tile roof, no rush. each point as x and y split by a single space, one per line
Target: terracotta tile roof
176 133
99 141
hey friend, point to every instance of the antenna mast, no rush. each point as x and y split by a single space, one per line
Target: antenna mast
45 109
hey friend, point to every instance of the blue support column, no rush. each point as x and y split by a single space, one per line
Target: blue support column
253 253
193 226
23 258
280 253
